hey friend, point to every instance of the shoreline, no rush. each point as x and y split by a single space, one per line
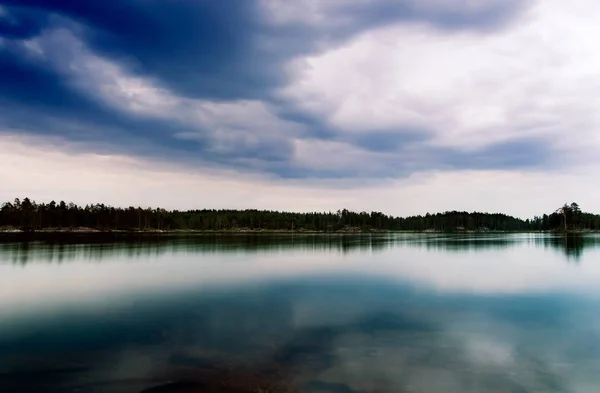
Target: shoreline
93 231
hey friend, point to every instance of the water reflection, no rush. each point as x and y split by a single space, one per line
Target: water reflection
572 245
264 314
64 247
318 335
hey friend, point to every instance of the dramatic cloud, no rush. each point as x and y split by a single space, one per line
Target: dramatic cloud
467 90
308 90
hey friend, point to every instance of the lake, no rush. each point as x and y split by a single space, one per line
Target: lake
300 313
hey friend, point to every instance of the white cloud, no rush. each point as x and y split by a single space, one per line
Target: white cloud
537 78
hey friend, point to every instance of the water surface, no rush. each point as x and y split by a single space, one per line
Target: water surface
307 313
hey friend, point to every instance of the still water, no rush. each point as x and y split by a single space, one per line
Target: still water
301 313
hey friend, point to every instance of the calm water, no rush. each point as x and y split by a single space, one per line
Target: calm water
315 313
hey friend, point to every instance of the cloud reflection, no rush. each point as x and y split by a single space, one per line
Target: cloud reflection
321 335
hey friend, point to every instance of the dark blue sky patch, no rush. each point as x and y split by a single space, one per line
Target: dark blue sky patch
197 48
21 22
23 82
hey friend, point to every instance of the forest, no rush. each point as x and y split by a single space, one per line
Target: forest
29 216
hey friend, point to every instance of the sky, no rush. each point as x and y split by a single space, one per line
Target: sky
399 106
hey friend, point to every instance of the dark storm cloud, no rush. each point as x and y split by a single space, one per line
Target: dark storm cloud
220 51
213 48
39 101
201 48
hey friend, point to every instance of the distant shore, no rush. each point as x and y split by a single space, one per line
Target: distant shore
84 230
62 217
91 231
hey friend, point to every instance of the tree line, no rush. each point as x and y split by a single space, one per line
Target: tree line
27 215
